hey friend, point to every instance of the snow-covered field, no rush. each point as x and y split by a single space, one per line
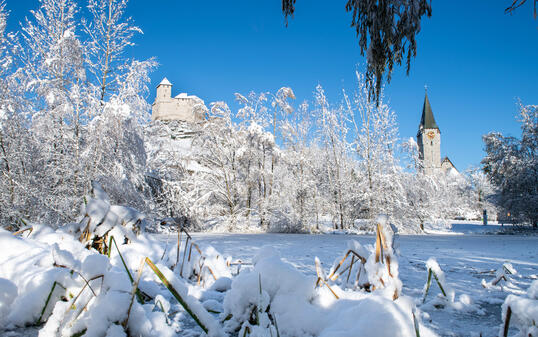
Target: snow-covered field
470 263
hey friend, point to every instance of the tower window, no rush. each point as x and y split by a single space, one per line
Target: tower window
432 142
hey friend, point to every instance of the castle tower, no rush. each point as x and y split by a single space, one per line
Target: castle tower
429 140
164 90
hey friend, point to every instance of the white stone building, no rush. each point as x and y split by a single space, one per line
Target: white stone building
183 107
429 142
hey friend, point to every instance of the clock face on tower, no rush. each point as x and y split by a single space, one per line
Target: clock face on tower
431 135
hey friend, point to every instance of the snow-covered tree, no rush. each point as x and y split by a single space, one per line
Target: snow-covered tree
110 33
333 130
512 165
53 71
481 191
376 143
218 184
15 141
257 154
298 181
117 103
58 128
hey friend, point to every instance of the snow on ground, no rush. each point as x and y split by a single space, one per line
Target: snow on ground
465 260
477 272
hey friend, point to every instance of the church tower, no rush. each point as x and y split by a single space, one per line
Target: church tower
429 140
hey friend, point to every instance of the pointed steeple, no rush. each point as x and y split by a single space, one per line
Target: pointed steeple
427 121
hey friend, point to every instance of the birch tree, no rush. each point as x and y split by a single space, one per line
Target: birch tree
110 33
53 67
333 131
376 145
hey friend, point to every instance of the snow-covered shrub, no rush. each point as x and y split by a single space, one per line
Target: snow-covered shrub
101 221
370 268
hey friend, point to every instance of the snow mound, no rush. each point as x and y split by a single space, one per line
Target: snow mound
275 294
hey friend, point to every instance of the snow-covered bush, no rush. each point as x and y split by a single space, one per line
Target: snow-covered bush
53 277
102 222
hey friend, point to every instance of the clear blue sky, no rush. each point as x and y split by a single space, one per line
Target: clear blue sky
475 59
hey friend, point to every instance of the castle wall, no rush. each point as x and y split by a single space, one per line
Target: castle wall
176 109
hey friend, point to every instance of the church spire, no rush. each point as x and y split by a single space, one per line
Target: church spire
427 121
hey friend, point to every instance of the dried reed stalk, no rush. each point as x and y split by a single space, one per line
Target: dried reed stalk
27 229
48 299
175 293
321 279
112 239
133 292
507 321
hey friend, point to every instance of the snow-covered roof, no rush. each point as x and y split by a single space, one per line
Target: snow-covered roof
165 81
185 95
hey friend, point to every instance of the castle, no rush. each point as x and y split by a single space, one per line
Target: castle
429 143
183 107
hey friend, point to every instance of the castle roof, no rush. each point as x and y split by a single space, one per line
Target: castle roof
184 95
165 81
427 121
